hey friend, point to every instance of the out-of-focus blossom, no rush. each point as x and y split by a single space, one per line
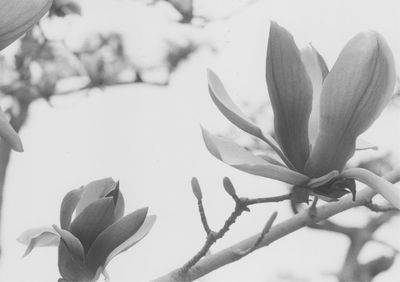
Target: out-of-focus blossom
16 17
98 232
318 114
62 8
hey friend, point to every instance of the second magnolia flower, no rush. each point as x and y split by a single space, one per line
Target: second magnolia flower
318 114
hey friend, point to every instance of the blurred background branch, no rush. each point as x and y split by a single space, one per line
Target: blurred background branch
43 67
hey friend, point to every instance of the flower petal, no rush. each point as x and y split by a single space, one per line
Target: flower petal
317 70
9 135
270 159
68 206
72 243
114 236
290 91
139 235
232 112
93 220
17 16
94 191
38 237
354 94
119 202
119 207
389 191
238 157
71 258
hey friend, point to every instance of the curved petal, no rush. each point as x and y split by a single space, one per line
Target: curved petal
17 16
71 259
389 191
290 91
135 238
238 157
38 237
93 220
72 243
68 206
9 135
119 207
112 237
232 112
119 202
354 94
94 191
317 71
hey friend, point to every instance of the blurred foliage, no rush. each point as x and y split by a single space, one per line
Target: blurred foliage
63 8
43 67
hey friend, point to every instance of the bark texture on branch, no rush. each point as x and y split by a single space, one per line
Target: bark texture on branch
300 220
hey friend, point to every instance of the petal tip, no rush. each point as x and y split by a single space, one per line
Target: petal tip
210 73
17 146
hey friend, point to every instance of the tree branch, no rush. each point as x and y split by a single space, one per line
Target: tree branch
352 269
300 220
379 208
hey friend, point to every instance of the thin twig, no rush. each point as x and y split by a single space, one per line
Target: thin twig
203 217
265 230
212 236
199 196
270 199
298 221
241 205
378 208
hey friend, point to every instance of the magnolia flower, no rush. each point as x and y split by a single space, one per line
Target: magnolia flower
16 17
318 114
98 233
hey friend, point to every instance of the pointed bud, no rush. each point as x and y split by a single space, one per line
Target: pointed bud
196 189
229 187
114 193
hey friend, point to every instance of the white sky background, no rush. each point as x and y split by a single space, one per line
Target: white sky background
149 138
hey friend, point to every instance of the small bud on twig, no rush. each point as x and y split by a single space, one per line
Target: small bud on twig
196 189
228 186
